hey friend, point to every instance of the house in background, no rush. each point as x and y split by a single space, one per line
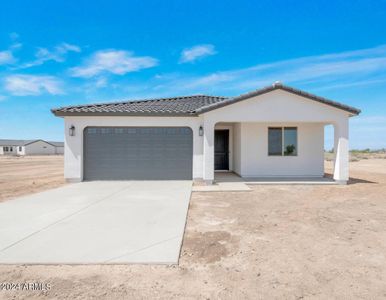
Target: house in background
30 147
277 131
59 147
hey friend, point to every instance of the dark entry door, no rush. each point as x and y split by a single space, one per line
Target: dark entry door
221 149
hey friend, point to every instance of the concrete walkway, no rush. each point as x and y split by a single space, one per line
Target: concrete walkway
96 222
230 182
222 187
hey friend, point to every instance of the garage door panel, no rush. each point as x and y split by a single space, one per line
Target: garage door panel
138 153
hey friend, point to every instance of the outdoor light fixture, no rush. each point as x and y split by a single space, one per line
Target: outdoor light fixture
200 131
71 130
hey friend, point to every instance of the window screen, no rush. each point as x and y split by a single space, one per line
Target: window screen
275 141
290 141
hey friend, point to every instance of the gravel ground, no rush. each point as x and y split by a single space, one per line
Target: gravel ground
274 242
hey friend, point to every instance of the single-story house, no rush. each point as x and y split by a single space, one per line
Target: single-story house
275 131
30 147
59 146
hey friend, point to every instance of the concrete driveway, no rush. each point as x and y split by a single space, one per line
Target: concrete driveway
96 222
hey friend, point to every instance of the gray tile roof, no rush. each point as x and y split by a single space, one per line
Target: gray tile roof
164 106
183 106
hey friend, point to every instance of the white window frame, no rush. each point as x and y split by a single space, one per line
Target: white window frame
282 140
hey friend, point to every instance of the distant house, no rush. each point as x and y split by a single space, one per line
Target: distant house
30 147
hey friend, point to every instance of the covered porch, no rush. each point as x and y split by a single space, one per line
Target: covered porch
277 134
273 153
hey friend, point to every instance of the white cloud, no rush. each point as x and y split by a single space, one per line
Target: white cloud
118 62
15 41
24 85
215 78
16 46
6 57
349 84
331 71
58 54
65 47
101 82
196 52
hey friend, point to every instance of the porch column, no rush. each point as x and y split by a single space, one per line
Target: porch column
208 152
341 149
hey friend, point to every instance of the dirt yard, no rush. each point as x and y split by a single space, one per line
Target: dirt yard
29 174
274 242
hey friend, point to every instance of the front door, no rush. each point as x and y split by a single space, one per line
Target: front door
221 149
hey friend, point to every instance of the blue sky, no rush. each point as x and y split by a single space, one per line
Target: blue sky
56 53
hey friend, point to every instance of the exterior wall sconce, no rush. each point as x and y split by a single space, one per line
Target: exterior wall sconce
201 131
71 130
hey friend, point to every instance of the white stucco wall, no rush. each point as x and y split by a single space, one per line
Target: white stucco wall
250 120
73 152
21 150
285 108
237 148
39 148
9 152
248 150
277 106
255 160
15 150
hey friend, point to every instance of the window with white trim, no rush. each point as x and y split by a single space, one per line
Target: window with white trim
282 141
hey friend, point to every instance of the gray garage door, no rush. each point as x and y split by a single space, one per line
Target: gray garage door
138 153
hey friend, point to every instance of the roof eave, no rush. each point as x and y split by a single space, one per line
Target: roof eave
352 110
39 140
123 114
347 108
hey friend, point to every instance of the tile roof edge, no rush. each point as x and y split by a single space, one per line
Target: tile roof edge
277 86
133 101
130 114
